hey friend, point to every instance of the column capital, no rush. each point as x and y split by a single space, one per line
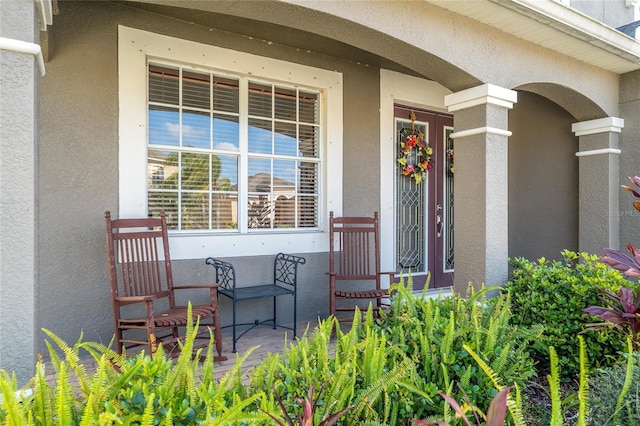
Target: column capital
481 95
599 125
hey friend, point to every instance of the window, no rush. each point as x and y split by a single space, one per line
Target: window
196 152
243 152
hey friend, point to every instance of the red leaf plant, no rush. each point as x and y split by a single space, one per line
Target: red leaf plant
495 415
621 310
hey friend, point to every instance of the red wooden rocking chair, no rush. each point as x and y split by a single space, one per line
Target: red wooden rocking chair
145 312
354 265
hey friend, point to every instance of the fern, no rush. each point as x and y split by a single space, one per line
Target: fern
63 398
88 415
42 395
10 402
186 352
375 389
148 416
583 387
73 359
449 337
514 408
235 414
628 379
554 388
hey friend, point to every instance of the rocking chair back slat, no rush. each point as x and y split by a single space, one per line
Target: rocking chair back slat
140 264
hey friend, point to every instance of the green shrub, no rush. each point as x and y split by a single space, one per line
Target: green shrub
554 295
604 390
434 332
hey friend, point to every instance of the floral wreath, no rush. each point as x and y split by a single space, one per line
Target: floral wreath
422 154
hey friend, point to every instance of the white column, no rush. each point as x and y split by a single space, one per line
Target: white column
599 183
481 186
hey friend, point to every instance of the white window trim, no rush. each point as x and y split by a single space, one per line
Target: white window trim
396 88
135 47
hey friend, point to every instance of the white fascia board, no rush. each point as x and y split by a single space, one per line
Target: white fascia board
583 26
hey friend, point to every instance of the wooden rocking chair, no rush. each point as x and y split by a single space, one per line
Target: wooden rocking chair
145 312
354 265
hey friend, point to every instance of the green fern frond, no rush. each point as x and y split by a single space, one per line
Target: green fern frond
339 389
374 390
176 374
229 378
42 395
148 415
234 414
583 387
89 413
554 388
628 379
465 378
109 419
518 416
63 397
10 402
449 337
487 370
207 373
500 363
72 358
512 405
168 419
410 386
374 356
100 385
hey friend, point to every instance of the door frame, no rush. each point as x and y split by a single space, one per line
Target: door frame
396 88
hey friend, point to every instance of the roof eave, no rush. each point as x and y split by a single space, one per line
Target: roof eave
575 34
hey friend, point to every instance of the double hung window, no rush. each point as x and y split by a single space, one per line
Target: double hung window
243 152
228 153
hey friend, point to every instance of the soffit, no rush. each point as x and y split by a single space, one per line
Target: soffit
552 25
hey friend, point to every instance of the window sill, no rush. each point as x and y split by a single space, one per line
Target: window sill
198 246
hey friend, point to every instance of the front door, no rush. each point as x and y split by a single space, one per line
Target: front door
424 205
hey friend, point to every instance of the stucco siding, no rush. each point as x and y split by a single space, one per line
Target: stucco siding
18 212
629 157
543 179
79 171
487 54
78 168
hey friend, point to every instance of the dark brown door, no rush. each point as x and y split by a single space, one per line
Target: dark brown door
424 210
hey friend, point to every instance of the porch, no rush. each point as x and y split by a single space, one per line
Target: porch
265 339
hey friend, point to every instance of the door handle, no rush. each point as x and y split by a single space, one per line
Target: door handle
439 226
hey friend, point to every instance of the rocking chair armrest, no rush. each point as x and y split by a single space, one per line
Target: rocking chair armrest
127 300
192 286
391 275
213 290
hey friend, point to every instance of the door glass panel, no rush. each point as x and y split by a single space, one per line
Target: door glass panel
448 200
411 205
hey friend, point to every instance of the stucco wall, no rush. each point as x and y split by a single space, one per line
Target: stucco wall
543 179
19 78
630 157
79 176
